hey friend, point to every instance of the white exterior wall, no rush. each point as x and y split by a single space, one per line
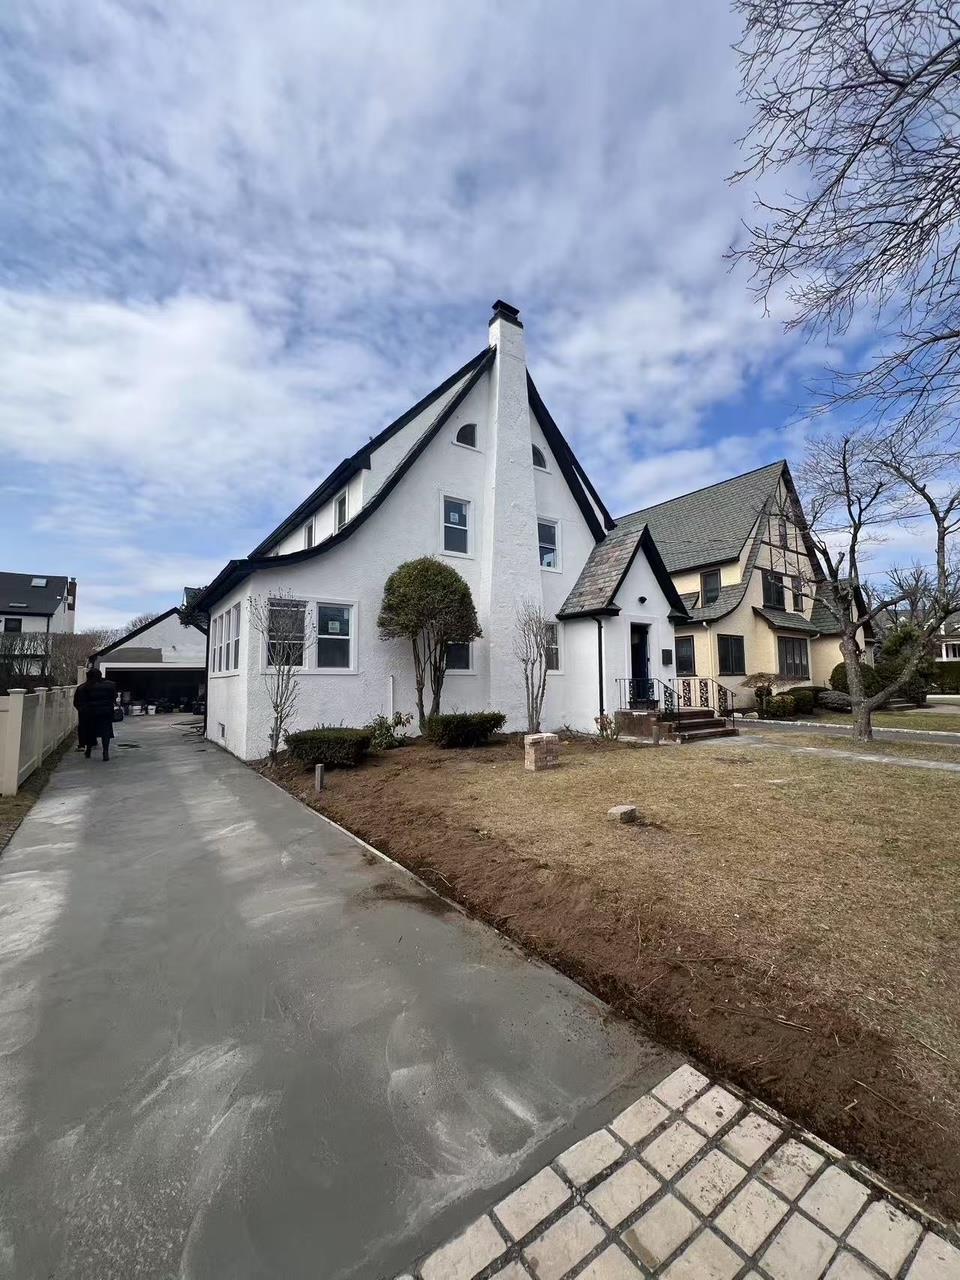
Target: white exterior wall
229 692
30 623
653 613
180 646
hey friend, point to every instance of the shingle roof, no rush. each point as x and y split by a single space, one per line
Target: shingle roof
710 525
784 621
820 615
605 570
17 595
951 626
601 575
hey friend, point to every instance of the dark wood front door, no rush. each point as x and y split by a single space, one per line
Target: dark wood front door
639 660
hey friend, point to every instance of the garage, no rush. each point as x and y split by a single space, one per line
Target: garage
161 665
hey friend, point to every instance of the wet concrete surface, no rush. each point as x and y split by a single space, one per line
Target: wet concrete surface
235 1044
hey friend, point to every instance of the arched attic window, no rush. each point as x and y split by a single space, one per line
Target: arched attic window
468 435
539 460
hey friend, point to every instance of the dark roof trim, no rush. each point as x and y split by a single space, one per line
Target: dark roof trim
571 470
359 461
161 617
237 571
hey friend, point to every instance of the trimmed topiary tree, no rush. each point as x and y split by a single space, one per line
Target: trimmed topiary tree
427 602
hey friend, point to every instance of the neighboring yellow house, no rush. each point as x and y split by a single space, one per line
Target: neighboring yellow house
749 580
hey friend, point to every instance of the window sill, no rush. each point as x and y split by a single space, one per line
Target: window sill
458 444
458 672
457 555
222 675
545 568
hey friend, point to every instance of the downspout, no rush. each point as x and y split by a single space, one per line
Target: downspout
206 679
599 622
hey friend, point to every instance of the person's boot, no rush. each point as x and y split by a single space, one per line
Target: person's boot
87 752
106 752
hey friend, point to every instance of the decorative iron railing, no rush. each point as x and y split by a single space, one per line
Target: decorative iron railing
649 695
701 693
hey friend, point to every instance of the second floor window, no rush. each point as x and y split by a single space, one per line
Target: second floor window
308 535
467 435
796 590
340 511
549 544
710 586
773 596
539 460
456 534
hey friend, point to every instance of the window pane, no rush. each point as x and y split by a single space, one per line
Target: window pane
454 526
333 651
538 459
333 620
773 595
458 657
730 653
468 434
547 534
13 625
710 586
797 590
341 511
686 665
553 646
286 633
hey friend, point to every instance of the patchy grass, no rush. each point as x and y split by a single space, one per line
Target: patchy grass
930 721
921 750
792 920
13 809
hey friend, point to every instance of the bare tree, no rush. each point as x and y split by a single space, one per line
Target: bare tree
531 643
141 620
24 653
283 630
857 486
857 101
69 650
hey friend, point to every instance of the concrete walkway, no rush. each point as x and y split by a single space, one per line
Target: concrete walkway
941 738
860 757
235 1043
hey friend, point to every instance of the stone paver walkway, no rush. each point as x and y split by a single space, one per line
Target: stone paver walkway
694 1181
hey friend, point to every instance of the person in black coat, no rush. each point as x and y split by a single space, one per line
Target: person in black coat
94 701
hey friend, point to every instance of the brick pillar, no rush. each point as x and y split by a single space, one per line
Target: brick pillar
541 751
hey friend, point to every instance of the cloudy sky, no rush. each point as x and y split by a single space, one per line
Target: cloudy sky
239 238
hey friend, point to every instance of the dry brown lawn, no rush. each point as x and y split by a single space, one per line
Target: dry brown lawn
792 920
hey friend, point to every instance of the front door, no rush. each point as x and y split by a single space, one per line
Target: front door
639 664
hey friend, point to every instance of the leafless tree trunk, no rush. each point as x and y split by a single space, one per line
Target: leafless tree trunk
283 630
857 486
530 644
856 102
24 653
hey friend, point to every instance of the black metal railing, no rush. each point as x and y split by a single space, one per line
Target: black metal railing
650 694
701 693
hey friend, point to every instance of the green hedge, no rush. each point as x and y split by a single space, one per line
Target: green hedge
464 729
329 746
780 707
947 677
804 700
834 700
839 682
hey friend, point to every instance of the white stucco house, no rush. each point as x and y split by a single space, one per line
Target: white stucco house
478 474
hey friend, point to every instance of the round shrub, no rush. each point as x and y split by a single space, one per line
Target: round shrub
871 681
834 700
779 707
804 700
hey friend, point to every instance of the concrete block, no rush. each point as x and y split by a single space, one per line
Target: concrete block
318 777
708 1258
885 1236
626 813
748 1140
935 1260
673 1149
791 1167
611 1265
623 1192
467 1255
800 1251
710 1181
712 1111
680 1086
527 1207
660 1231
564 1245
751 1216
639 1119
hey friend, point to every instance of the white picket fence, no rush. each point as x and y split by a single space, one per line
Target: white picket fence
31 726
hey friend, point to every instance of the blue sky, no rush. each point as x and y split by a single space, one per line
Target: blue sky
240 239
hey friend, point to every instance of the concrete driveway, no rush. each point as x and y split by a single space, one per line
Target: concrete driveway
236 1043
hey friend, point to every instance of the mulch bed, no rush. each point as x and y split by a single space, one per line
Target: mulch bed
815 1061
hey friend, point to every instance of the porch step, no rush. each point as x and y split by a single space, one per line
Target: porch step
719 729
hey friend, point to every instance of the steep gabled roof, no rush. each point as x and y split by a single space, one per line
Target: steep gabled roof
600 579
138 631
360 461
236 571
18 596
710 525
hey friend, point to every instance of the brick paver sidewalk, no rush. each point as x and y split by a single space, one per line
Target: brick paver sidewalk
697 1182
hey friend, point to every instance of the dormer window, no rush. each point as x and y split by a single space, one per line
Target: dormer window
340 511
710 586
467 435
539 461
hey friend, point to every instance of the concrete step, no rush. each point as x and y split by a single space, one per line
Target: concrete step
720 730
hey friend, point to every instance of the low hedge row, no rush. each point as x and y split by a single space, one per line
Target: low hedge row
465 728
334 747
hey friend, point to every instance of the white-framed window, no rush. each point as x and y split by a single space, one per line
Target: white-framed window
951 651
340 511
539 458
548 535
227 646
236 637
334 637
308 535
456 526
467 435
460 656
286 631
218 659
552 630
